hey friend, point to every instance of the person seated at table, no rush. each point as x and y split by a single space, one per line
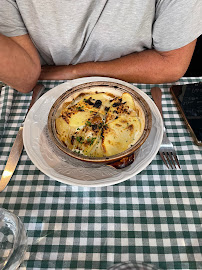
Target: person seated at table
150 41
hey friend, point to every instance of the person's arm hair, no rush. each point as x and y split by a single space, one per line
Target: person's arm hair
149 66
20 64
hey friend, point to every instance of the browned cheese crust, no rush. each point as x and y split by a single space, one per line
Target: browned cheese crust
100 124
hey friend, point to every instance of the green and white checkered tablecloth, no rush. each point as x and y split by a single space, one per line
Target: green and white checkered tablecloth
153 217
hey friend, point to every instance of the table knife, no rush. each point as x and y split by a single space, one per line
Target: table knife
17 147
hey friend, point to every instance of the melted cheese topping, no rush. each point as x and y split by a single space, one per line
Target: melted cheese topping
100 124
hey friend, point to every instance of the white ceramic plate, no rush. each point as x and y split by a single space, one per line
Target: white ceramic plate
57 165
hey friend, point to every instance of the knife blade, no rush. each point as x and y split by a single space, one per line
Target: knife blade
17 147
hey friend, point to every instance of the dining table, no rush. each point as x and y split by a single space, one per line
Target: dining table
154 216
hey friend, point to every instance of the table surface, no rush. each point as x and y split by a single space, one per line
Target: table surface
153 217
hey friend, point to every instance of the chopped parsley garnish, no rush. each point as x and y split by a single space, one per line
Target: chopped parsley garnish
88 123
91 140
77 152
80 108
80 139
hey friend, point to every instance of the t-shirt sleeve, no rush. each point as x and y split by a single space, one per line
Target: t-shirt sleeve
177 23
11 22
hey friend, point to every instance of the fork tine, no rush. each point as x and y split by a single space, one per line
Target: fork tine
168 159
171 158
176 159
162 157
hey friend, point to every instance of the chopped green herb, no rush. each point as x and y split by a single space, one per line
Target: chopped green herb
88 123
91 140
80 139
80 108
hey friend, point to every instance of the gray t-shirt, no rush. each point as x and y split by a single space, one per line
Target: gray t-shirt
74 31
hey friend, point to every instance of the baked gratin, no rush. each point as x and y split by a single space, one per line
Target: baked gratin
100 124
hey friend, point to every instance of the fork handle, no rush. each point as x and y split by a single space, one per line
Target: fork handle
157 95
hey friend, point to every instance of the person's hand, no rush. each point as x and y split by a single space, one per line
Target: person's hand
58 73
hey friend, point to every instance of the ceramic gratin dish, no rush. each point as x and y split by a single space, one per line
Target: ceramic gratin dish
120 160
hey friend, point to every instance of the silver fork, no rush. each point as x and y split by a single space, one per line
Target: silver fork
166 150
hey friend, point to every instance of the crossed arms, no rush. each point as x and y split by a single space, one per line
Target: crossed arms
20 65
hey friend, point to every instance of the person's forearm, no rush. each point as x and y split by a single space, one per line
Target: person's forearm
144 67
17 67
148 66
